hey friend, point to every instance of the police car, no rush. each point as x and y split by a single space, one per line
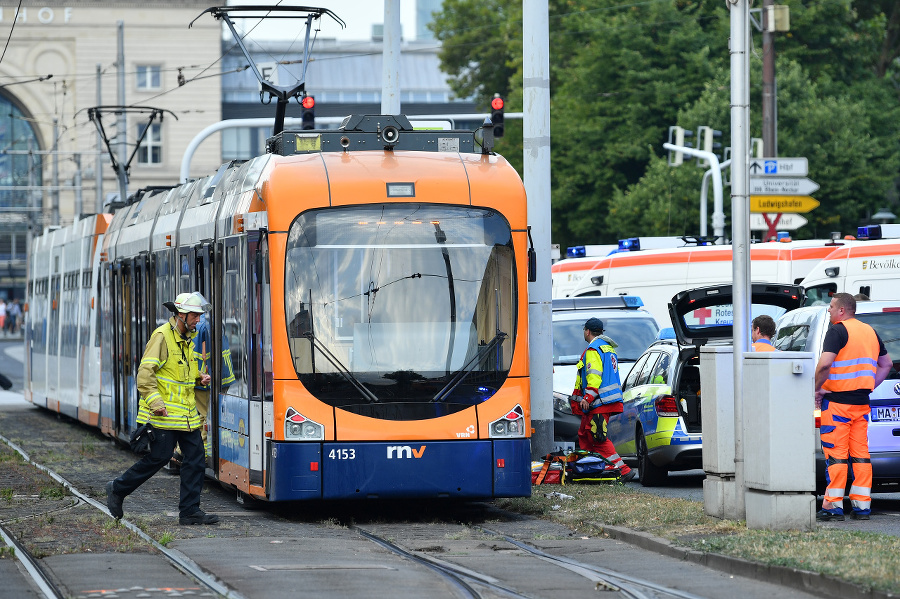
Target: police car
660 428
804 330
625 322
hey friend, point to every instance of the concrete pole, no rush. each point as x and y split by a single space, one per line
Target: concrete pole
79 206
536 144
740 220
98 165
122 123
54 211
769 95
390 61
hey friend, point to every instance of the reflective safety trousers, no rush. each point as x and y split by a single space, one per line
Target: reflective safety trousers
598 375
854 366
175 380
844 431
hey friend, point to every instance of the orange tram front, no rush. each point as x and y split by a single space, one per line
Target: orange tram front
369 301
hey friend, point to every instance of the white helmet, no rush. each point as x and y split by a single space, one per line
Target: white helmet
190 302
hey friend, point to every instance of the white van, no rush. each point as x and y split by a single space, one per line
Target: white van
869 267
658 275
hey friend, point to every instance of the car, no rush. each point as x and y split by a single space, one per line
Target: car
626 323
660 428
804 330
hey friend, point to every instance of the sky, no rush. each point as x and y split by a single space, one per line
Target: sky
359 15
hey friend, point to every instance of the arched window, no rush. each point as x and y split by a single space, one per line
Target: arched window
17 167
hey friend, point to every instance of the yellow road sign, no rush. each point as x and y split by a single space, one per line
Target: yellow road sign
782 203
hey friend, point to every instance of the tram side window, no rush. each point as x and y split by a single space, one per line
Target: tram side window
164 291
185 280
38 316
234 314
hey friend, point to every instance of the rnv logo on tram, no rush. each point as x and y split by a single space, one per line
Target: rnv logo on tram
404 451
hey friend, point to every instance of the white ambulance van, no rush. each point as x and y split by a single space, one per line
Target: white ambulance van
870 266
658 275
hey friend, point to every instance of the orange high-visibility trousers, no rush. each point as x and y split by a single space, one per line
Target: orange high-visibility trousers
844 430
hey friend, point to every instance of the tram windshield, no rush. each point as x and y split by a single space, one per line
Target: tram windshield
401 311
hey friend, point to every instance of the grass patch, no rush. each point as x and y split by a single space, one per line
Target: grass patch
6 494
829 551
165 539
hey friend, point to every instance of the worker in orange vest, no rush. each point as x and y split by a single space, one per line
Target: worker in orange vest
853 362
762 329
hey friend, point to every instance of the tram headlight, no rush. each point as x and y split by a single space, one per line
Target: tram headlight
298 427
511 425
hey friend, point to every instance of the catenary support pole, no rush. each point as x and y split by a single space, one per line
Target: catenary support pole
390 68
536 144
98 163
54 211
122 123
740 221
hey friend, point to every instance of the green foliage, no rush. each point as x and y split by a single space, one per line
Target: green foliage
622 73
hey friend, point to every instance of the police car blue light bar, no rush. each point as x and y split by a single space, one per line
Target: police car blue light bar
666 333
575 251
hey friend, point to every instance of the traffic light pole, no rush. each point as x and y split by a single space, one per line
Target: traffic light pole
718 203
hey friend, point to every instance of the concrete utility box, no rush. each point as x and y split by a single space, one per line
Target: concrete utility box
720 494
779 441
717 414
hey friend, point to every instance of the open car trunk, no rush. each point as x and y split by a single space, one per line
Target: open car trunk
706 314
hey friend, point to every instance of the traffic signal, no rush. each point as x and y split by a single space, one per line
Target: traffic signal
497 115
677 136
308 114
706 141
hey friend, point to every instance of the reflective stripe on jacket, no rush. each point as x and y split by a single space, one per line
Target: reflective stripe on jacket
598 377
169 361
854 366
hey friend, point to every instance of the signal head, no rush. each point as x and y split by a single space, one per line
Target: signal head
497 103
308 102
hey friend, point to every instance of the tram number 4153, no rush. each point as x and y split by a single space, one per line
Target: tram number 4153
342 454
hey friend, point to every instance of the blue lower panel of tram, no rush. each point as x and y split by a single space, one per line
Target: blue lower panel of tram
469 470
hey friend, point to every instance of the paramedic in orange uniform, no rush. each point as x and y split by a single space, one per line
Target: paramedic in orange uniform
597 394
762 329
853 362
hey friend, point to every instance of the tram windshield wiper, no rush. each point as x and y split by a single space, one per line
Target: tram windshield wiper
343 370
481 353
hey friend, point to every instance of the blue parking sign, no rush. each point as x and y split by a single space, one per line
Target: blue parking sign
771 167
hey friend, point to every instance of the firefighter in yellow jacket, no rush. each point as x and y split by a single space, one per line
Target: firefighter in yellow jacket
166 379
853 362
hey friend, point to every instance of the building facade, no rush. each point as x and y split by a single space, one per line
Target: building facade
61 61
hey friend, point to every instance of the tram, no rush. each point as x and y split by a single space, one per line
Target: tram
370 285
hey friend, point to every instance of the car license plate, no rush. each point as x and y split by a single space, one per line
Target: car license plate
891 413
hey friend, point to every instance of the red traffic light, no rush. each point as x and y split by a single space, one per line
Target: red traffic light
497 103
308 102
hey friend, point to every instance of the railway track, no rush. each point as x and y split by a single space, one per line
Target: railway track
44 582
455 550
462 581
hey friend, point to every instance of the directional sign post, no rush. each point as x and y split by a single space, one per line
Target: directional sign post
785 167
782 186
784 222
782 203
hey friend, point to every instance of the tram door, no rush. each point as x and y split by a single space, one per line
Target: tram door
123 355
260 362
204 265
